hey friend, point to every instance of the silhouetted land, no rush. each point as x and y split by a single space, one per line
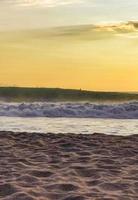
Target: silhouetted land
57 94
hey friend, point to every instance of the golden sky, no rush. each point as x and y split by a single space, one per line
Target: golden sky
93 57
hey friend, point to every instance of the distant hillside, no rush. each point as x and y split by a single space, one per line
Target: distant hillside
57 94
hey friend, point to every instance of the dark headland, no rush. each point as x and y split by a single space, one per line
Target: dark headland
58 94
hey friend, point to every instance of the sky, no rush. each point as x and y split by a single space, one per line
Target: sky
87 44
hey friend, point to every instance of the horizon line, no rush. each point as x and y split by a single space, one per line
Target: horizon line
62 88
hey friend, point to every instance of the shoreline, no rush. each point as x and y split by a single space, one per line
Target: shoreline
37 166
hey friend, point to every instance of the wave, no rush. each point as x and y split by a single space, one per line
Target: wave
80 110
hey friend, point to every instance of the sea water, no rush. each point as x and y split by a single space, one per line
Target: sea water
70 125
84 118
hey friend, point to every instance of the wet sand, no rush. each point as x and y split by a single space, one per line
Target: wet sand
68 167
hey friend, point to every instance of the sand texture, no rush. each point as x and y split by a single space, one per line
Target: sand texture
68 167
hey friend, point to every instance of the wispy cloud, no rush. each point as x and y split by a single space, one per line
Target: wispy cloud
27 14
99 31
90 32
47 3
130 26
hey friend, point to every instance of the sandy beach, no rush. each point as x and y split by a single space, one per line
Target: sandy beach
68 167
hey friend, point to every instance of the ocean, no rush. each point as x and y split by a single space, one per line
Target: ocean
70 125
84 118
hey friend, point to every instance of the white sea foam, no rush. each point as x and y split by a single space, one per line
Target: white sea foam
79 110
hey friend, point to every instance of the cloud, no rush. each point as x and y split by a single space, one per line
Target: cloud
127 27
83 32
46 3
100 31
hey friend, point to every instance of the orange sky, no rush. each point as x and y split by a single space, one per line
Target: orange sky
95 46
104 58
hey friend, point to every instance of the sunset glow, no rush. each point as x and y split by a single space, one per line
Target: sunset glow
69 44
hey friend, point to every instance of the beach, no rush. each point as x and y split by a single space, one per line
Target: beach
68 100
38 166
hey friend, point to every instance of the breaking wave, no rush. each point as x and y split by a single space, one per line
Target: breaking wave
79 110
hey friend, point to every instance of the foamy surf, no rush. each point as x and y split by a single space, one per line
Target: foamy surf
127 110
